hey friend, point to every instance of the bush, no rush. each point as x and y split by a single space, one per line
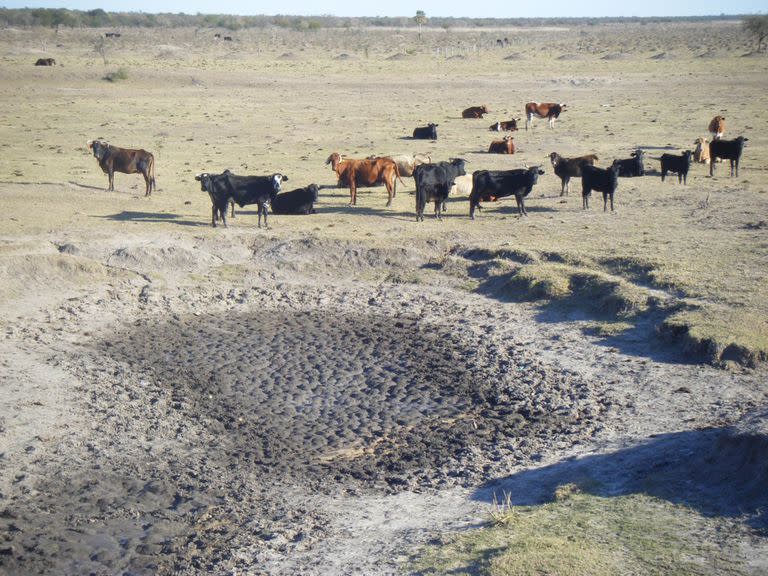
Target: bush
119 74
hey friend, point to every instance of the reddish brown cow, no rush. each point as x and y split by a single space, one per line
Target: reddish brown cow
369 172
504 126
475 111
549 110
113 159
717 127
505 146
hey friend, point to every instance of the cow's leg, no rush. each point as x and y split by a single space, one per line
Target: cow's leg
147 183
611 201
438 203
352 191
214 214
390 194
736 163
585 200
565 187
663 174
232 203
111 174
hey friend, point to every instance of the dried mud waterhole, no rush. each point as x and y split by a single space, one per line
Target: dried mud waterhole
330 398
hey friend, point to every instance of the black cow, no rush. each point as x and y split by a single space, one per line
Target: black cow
604 180
243 190
678 164
45 62
632 166
428 132
128 161
489 185
434 182
728 150
298 201
566 168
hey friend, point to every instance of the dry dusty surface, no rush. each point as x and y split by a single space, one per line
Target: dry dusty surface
324 396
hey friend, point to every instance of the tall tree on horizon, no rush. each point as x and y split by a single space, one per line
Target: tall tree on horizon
757 26
421 19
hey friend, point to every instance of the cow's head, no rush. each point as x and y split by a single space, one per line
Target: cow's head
313 190
205 180
333 160
459 164
555 158
277 179
98 147
638 154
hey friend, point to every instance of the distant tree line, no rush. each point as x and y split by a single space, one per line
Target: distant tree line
62 17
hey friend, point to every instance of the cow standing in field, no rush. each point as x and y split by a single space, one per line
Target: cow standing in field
490 185
633 166
475 111
434 183
113 159
368 172
549 110
727 150
681 165
717 127
244 190
567 168
604 180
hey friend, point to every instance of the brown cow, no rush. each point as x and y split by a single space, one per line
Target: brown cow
368 172
701 152
717 127
113 159
475 111
549 110
504 126
505 146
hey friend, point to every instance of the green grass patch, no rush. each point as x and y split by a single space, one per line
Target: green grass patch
588 535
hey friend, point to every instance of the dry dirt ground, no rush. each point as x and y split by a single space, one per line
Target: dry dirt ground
323 396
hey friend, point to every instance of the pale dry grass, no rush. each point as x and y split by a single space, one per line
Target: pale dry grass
199 105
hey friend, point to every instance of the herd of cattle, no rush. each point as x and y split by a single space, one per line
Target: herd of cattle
434 181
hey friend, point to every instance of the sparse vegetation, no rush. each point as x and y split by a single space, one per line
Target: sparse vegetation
588 535
757 27
117 75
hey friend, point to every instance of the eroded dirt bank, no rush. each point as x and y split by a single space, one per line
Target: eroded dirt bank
267 407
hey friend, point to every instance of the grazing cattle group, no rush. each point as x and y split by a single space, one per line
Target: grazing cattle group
434 182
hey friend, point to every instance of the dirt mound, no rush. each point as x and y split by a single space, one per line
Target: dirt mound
516 56
161 255
570 57
399 56
615 56
288 56
663 56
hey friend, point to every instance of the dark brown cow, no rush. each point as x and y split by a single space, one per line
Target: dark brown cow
717 127
45 62
475 111
505 146
113 159
549 110
368 172
504 126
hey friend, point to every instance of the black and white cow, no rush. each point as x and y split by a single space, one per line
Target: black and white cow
243 190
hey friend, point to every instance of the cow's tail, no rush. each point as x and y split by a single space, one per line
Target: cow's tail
152 184
397 173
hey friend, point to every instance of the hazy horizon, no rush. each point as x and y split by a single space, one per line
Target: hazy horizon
401 8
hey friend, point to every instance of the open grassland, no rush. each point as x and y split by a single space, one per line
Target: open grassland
283 101
322 396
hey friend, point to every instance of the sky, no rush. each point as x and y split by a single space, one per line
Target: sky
444 8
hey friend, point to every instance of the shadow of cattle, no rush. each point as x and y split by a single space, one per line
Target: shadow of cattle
718 472
152 217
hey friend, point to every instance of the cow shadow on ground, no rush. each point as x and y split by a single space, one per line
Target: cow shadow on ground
714 471
152 217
